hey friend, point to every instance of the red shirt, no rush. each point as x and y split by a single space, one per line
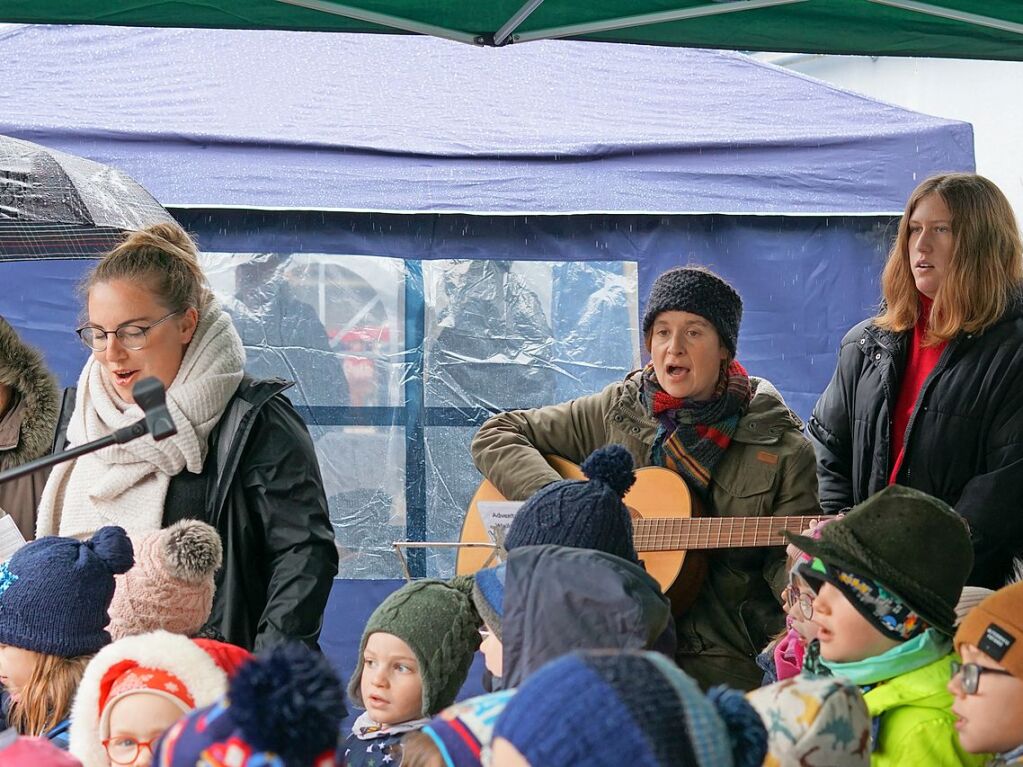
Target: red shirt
919 365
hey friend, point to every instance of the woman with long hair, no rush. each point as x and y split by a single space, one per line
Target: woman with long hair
929 392
242 459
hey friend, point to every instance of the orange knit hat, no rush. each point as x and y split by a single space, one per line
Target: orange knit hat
995 627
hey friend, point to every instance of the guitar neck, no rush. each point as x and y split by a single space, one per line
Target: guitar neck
687 534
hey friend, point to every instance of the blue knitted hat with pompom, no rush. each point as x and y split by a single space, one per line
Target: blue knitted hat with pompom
582 514
283 707
55 592
603 708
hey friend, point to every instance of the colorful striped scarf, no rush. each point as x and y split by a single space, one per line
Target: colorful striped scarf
692 436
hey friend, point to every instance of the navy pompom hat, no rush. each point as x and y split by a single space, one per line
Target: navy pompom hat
55 592
605 708
582 514
283 707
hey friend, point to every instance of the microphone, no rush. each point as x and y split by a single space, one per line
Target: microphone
150 396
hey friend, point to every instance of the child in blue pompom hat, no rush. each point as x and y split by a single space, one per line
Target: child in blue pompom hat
54 597
282 709
608 709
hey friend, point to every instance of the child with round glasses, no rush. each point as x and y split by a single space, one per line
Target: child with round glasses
988 684
887 578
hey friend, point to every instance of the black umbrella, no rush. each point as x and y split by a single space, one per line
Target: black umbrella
54 204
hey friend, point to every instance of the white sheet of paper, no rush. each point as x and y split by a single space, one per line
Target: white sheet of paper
11 538
497 517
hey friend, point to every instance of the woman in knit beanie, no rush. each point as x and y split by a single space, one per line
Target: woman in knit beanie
54 595
608 709
695 410
988 684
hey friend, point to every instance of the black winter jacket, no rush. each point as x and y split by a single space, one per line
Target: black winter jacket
964 441
261 489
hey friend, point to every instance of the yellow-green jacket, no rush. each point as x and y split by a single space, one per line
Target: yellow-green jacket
917 726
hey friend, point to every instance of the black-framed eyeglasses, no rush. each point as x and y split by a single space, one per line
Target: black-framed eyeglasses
125 749
971 673
132 337
804 599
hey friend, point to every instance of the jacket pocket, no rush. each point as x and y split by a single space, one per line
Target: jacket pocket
744 488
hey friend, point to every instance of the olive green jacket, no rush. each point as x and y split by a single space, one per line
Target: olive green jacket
768 469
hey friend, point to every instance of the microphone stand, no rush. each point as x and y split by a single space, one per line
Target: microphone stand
119 437
148 394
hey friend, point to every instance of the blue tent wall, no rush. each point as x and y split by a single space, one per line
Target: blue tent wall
423 127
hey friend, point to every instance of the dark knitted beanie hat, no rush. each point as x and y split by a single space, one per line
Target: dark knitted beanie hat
582 514
699 291
438 622
614 708
911 543
55 592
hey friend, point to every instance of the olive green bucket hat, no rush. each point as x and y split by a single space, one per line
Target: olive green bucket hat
911 543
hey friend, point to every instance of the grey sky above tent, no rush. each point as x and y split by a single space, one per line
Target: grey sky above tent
385 123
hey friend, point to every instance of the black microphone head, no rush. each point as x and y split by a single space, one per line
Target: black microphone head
149 395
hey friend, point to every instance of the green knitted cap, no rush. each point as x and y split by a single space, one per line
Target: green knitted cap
910 542
438 621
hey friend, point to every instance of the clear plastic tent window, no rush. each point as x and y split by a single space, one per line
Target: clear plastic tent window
397 362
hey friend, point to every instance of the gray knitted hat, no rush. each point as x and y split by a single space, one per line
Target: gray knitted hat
698 291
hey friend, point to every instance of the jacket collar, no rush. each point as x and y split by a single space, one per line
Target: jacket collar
924 687
768 417
22 368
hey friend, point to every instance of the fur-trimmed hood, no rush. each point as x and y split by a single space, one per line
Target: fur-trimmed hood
23 369
182 657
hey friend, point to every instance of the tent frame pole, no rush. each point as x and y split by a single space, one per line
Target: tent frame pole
501 35
624 22
386 20
947 13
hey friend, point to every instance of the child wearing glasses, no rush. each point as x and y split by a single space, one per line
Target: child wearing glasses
137 687
887 578
988 684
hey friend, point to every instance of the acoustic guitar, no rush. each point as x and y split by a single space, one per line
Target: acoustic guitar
669 534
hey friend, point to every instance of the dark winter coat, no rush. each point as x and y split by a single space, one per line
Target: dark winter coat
964 441
261 489
27 428
559 599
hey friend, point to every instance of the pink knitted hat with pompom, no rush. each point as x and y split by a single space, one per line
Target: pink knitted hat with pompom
171 585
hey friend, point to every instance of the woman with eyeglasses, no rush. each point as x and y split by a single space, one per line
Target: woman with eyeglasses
242 459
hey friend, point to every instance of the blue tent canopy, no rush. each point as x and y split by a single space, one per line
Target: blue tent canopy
416 125
457 230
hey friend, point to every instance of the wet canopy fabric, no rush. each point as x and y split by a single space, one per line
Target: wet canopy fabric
417 125
990 29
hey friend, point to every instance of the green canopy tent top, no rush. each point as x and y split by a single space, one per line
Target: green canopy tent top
983 29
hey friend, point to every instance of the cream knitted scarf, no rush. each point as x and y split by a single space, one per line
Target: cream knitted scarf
127 484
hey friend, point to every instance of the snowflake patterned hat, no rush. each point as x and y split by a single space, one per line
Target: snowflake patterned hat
814 722
55 592
160 663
